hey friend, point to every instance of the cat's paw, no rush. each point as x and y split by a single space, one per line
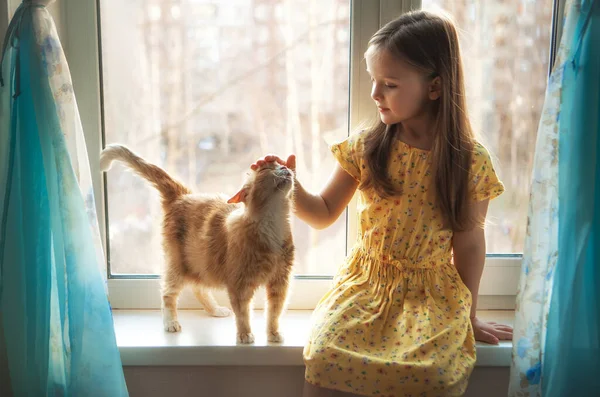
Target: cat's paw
245 338
172 326
220 311
275 337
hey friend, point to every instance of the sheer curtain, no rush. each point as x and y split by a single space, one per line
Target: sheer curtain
557 330
57 325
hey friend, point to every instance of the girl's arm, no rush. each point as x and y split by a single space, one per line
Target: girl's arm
469 259
319 210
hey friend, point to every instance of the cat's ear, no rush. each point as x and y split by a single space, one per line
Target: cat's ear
239 197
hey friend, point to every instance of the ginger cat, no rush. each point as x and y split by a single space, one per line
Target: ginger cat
212 242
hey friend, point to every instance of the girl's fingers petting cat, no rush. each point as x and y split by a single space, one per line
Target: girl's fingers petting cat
290 163
269 158
272 157
257 164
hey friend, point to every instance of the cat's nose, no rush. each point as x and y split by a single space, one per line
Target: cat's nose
284 172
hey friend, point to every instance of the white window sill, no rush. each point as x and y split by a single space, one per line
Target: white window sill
205 340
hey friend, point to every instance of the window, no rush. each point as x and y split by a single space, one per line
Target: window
205 87
205 97
506 51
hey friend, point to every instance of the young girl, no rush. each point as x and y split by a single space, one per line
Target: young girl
400 319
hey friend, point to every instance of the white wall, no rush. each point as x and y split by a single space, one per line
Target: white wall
250 381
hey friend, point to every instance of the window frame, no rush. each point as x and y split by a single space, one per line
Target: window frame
78 25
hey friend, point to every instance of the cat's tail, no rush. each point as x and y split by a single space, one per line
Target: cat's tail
168 187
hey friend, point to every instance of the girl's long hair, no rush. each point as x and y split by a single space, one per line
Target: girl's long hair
429 42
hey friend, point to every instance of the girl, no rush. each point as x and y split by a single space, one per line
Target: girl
401 317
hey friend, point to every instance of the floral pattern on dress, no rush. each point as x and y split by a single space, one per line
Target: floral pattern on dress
396 322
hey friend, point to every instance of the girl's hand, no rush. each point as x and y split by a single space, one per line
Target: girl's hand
490 332
290 163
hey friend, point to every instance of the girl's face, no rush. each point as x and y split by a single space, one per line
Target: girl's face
400 91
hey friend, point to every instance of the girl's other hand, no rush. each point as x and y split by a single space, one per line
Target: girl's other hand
490 332
290 163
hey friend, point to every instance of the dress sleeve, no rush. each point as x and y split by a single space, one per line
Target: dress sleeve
348 153
484 181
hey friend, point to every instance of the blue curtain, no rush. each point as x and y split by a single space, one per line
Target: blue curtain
571 365
57 325
556 351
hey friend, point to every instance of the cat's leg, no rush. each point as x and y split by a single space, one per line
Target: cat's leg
173 283
209 303
277 290
241 298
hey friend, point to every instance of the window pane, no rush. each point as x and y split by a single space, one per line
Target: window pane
505 47
203 88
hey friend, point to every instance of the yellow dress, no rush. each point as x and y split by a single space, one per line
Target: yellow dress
396 322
